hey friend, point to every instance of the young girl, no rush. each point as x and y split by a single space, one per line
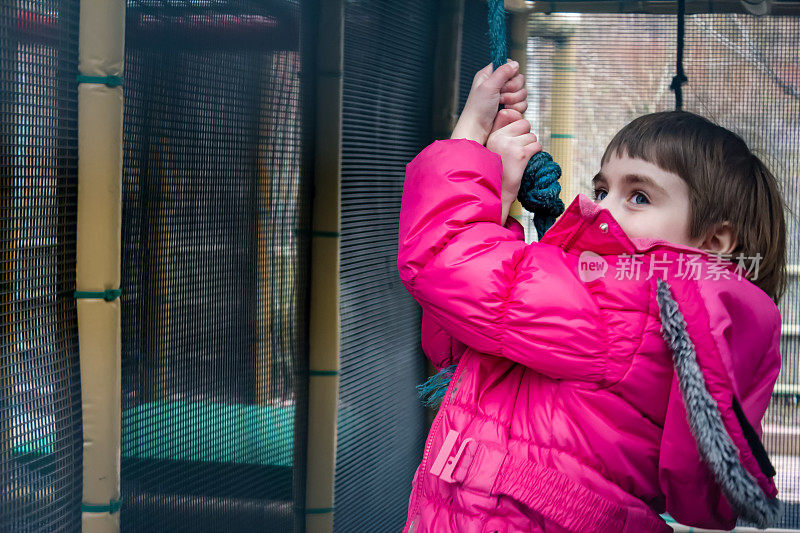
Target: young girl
618 368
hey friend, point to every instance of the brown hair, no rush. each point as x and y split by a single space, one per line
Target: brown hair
726 182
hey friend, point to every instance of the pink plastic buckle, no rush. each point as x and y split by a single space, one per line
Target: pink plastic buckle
444 465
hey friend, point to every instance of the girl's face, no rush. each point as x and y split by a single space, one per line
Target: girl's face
646 201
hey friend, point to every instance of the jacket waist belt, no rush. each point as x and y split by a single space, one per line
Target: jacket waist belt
490 469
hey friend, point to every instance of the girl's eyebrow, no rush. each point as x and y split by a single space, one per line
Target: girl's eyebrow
632 179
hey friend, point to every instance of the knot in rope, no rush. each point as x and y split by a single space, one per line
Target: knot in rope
539 191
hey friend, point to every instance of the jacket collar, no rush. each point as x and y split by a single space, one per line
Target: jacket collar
584 225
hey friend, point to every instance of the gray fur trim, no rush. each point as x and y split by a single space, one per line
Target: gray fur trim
713 442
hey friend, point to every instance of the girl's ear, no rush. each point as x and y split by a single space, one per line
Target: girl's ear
721 239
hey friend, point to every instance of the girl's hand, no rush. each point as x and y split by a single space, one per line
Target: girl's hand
512 140
490 89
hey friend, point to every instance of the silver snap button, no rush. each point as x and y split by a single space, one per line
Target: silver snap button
604 227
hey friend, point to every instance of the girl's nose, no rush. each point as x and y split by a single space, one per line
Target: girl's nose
606 204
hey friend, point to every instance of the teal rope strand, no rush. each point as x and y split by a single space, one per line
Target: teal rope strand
432 392
497 34
539 190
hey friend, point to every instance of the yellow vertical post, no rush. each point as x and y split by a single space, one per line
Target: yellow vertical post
324 320
562 120
560 28
101 38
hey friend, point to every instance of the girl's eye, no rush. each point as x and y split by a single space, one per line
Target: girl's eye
599 194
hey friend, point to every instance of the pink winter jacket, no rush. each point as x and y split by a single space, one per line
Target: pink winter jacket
566 411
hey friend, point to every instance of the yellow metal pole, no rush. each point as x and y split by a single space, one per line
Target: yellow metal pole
562 120
102 30
324 320
560 28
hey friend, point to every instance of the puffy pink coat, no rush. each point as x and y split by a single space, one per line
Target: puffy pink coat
565 411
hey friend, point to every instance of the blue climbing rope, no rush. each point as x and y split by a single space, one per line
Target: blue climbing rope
538 193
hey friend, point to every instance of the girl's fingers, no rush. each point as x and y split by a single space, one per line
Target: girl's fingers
505 117
518 128
486 72
519 107
514 84
530 146
500 76
515 97
526 140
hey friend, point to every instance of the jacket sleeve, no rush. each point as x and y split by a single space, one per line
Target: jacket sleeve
479 281
741 332
438 345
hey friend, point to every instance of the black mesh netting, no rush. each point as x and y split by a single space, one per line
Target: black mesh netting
215 237
386 108
743 73
40 409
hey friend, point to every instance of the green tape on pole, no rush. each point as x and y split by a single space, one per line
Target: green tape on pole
109 81
112 507
107 295
561 136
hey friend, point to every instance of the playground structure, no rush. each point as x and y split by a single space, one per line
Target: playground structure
203 327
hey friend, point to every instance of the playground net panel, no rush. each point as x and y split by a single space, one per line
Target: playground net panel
744 74
215 239
40 416
386 112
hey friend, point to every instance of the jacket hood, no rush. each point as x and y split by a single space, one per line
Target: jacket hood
725 438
